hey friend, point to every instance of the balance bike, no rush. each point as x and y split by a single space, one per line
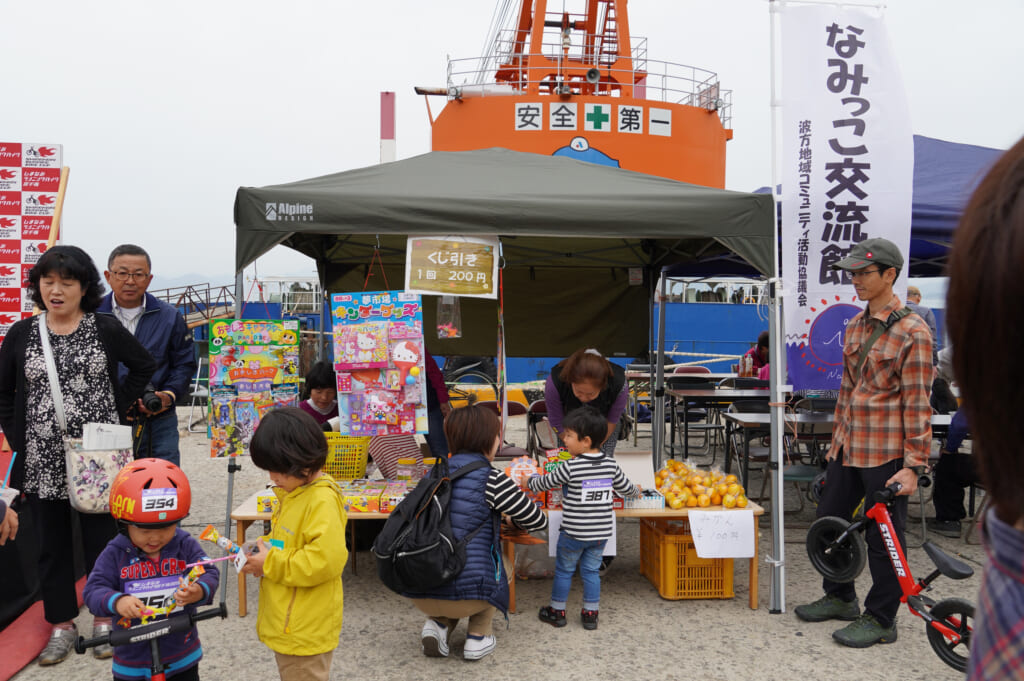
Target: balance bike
838 551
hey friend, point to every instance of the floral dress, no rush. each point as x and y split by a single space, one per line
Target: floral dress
88 396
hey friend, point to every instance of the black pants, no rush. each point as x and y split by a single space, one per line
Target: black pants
56 537
952 473
845 488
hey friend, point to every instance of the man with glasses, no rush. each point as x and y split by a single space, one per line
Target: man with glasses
162 330
882 434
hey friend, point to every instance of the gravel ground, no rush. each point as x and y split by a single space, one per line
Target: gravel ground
641 635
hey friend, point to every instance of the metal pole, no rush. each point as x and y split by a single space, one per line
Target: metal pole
658 394
233 465
777 559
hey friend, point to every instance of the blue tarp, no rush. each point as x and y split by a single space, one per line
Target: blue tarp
945 175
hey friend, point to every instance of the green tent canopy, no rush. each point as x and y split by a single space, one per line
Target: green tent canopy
570 233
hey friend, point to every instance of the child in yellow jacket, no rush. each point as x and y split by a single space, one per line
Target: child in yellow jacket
301 560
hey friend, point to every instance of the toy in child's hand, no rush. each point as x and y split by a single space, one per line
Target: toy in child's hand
211 534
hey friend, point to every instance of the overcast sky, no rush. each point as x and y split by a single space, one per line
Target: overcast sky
165 109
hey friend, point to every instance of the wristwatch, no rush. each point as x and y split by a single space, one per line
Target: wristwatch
918 470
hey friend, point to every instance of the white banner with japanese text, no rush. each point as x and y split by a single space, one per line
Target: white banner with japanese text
847 173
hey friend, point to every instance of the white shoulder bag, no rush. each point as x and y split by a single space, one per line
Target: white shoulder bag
90 472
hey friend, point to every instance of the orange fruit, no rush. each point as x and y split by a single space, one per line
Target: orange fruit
716 499
685 494
703 500
691 502
729 501
734 489
699 489
721 488
676 503
694 480
741 501
731 478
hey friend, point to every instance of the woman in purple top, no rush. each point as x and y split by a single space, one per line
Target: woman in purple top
983 304
322 387
585 377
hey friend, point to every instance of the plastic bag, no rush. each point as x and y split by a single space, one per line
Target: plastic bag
449 317
533 561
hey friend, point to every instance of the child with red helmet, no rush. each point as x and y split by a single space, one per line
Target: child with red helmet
142 567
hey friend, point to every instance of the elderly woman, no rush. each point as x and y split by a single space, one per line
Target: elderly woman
585 377
87 349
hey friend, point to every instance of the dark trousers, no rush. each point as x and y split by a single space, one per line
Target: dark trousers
57 535
844 489
953 472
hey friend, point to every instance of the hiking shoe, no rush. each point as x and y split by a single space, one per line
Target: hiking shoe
478 647
104 651
59 646
555 618
947 528
589 619
828 608
865 632
435 638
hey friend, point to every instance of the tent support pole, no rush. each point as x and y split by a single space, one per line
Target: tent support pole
658 394
778 374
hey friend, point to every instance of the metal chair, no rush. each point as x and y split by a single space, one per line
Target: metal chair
200 394
815 437
508 450
698 419
540 436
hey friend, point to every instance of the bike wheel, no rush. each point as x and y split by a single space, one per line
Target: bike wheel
958 615
838 561
465 389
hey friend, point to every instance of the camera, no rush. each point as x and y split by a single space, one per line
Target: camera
150 400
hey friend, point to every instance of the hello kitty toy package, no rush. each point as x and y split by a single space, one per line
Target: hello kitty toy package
378 358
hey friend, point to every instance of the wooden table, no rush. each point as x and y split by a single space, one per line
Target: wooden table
509 547
248 513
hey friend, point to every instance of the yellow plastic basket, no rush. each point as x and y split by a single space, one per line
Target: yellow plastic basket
346 456
668 558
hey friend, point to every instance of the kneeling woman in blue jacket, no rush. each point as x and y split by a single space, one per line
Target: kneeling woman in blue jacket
481 495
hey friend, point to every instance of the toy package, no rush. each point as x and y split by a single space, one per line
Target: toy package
254 367
378 358
520 469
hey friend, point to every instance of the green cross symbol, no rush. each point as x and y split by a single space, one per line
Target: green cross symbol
597 117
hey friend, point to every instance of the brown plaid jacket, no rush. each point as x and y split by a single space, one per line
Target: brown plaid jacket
884 413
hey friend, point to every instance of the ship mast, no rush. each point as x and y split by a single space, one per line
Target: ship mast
570 53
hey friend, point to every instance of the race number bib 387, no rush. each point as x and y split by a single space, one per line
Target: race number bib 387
596 492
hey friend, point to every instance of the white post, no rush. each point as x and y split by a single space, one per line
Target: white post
777 558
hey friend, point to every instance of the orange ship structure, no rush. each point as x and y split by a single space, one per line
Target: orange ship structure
578 84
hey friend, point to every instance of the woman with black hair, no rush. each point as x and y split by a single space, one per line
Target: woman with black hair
87 349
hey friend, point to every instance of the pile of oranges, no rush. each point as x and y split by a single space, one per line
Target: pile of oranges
686 487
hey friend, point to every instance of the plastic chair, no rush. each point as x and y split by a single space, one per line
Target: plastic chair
200 394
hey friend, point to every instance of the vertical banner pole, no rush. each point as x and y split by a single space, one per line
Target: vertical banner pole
777 376
58 209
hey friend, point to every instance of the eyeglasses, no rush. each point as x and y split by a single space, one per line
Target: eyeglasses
854 275
125 276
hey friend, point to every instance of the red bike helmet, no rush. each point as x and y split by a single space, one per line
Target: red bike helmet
150 493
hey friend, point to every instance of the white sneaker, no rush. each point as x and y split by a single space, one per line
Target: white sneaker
434 639
477 648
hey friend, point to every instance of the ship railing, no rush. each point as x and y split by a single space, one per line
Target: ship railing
651 79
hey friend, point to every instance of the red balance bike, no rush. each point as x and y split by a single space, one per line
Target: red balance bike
838 551
152 632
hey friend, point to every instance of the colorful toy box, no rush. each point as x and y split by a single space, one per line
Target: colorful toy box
393 493
363 496
266 502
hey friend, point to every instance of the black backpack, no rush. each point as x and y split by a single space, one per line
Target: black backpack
416 550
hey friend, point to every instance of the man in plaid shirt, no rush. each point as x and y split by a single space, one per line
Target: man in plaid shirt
882 434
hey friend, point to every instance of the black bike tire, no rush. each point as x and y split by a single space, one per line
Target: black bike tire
479 377
964 609
847 560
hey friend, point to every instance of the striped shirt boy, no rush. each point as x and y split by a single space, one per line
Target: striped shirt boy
589 481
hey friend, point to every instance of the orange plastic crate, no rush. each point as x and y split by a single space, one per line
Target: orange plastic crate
668 558
346 456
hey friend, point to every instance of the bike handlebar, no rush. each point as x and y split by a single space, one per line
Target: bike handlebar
886 496
145 632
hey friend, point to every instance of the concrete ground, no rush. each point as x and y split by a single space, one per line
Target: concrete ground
641 635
